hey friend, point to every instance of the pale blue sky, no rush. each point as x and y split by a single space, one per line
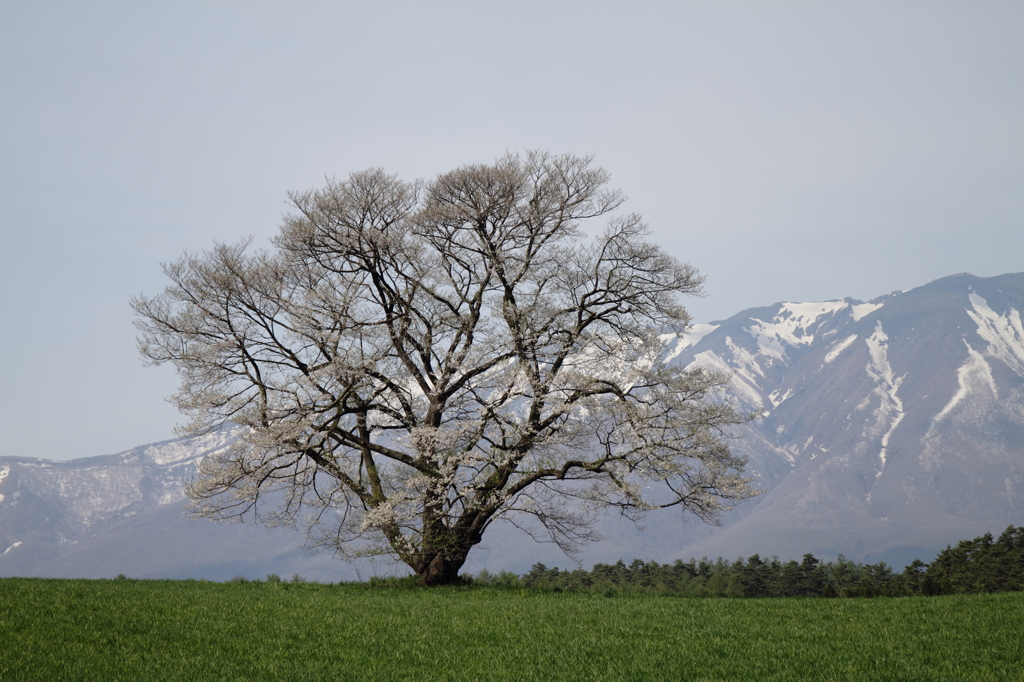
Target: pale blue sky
790 150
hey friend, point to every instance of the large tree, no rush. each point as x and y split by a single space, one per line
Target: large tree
414 361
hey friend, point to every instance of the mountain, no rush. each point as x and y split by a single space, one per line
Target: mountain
885 431
101 516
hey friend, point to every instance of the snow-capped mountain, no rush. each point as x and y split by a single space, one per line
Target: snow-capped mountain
885 430
100 516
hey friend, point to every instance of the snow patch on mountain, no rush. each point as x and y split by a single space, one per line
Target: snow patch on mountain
862 310
16 544
4 471
976 385
776 399
181 450
1004 333
840 347
688 339
889 412
791 325
95 493
975 373
743 384
745 360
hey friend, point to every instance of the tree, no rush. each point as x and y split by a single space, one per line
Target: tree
412 362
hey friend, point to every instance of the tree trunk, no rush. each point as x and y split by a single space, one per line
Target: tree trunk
439 561
444 550
440 569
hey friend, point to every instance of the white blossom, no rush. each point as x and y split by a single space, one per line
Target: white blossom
416 360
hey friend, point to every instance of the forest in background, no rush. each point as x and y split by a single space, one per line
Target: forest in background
982 565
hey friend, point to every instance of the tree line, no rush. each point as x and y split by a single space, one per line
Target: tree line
984 564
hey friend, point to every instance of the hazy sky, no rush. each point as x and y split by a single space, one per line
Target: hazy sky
790 151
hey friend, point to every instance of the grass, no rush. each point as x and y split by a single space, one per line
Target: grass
186 630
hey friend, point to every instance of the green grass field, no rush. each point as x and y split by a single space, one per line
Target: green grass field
185 630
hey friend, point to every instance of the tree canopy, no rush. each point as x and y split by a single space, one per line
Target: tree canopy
413 361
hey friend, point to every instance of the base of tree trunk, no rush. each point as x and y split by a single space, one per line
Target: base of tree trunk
440 570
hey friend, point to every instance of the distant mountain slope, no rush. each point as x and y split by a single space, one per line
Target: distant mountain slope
887 430
101 516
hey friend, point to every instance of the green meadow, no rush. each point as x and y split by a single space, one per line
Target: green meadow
189 630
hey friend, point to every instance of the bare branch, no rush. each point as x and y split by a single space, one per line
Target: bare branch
413 361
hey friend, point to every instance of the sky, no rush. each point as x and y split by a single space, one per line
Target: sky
791 151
